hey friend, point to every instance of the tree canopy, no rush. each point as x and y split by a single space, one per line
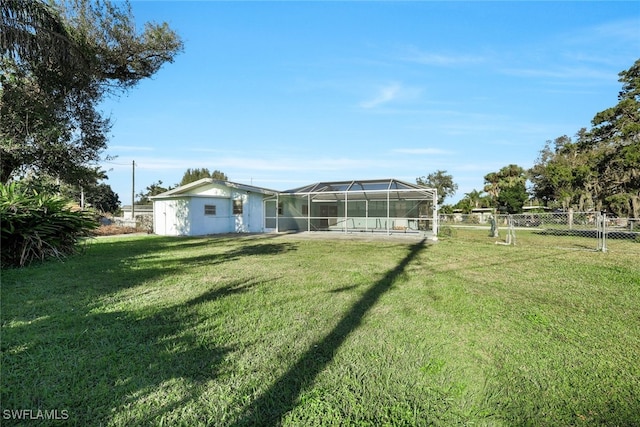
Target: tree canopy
97 195
599 168
58 62
192 175
473 200
506 188
441 181
144 197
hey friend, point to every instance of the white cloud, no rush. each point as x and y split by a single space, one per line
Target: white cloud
622 31
255 164
390 93
385 94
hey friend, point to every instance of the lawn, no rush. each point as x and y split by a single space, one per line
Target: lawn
297 331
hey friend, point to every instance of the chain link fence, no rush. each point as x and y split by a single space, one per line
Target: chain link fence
575 230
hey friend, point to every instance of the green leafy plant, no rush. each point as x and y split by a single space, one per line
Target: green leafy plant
446 231
37 226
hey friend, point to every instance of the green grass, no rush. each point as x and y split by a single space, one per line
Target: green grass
268 330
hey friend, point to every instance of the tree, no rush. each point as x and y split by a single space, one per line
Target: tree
192 175
554 175
600 169
492 186
100 197
511 178
144 197
512 198
58 62
441 182
615 141
476 199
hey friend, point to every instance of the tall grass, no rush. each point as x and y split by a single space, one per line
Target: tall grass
266 330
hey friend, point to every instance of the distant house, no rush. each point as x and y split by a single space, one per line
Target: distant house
210 206
139 211
483 214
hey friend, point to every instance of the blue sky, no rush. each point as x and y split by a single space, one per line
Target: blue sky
283 94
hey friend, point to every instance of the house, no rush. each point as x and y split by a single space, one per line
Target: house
209 206
140 210
483 215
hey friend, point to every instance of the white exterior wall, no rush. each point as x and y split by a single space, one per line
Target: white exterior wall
185 215
171 217
202 224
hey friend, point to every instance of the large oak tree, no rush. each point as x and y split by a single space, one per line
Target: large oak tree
58 62
600 168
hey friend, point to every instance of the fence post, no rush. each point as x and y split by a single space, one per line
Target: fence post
602 231
570 219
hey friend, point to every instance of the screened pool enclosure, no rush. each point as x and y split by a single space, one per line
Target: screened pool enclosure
387 206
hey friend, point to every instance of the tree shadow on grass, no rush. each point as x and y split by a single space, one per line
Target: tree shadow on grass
52 287
343 289
122 367
63 347
260 249
225 291
281 397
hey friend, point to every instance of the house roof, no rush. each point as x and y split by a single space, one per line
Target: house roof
363 189
187 189
371 189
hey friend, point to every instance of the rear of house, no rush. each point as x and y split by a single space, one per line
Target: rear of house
209 206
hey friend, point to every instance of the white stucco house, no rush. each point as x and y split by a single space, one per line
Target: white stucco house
209 206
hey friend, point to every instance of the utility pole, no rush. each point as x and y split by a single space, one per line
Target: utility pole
133 190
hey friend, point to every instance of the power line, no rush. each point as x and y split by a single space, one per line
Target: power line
115 163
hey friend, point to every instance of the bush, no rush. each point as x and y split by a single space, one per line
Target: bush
36 226
144 223
446 231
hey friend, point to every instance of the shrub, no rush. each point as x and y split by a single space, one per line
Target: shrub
36 226
446 231
144 223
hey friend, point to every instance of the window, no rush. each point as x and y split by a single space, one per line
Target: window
209 209
280 205
305 209
237 207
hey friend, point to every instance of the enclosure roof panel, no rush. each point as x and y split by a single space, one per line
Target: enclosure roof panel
363 189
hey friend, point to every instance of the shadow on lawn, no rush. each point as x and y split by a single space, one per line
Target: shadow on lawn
61 350
281 397
77 283
97 365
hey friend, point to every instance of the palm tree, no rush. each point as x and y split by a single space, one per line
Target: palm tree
32 29
475 198
492 186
